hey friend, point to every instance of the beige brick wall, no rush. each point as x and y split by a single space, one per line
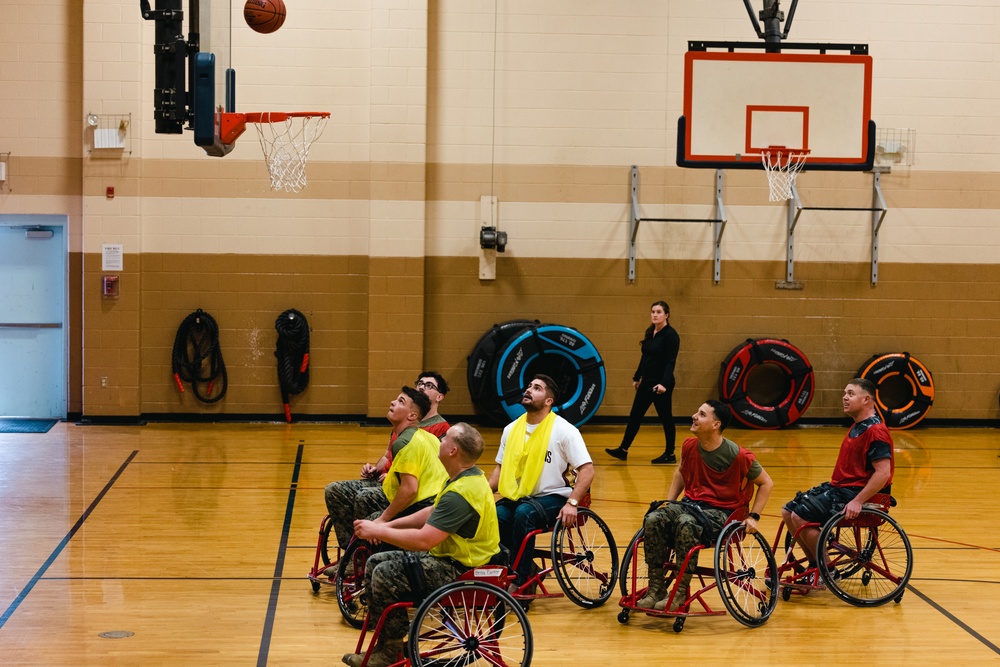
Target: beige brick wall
545 106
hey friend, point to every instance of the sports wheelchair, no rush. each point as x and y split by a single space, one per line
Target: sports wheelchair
743 571
461 624
867 560
584 559
348 578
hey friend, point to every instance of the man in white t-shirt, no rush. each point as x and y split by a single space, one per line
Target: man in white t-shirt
536 452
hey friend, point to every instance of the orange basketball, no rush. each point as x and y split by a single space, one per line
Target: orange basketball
264 15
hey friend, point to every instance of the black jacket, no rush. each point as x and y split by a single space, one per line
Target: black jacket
659 354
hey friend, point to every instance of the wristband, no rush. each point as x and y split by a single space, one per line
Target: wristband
754 516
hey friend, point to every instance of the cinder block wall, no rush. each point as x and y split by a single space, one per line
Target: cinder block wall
544 106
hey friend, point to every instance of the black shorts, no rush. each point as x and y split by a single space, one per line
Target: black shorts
821 502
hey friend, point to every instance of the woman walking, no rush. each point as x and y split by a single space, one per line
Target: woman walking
654 383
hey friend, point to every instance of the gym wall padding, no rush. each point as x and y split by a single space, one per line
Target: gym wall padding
753 365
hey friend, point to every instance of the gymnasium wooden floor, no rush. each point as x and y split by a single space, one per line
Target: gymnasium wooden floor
198 538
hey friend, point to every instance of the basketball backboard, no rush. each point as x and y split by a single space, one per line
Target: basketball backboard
213 77
739 104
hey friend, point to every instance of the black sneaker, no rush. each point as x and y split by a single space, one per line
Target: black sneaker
618 453
664 459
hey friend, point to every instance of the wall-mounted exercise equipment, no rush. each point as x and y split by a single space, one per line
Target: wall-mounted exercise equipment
767 382
510 354
292 354
904 388
197 357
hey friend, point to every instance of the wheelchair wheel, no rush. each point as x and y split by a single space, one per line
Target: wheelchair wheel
634 579
868 559
461 623
324 543
585 559
351 582
746 574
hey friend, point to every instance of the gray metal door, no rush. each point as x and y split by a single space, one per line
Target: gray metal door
33 332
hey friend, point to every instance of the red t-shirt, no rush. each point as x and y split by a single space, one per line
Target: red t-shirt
728 489
859 451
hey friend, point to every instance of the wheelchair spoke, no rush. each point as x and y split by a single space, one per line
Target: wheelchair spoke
585 560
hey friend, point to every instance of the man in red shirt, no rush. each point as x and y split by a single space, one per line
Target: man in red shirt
432 385
864 468
717 477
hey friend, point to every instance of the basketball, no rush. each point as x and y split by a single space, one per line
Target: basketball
264 15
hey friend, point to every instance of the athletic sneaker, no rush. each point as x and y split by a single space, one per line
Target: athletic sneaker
618 453
665 459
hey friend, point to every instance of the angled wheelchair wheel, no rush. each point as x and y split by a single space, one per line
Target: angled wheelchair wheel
351 582
470 623
585 559
746 574
325 550
634 577
868 560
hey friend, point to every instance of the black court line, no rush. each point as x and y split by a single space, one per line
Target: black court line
62 544
279 565
986 642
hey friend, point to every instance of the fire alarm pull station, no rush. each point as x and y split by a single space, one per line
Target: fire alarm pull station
109 287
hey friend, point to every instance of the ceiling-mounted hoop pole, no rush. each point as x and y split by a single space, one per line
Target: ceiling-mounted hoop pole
718 224
772 18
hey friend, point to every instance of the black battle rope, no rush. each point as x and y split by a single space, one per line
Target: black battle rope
197 357
293 355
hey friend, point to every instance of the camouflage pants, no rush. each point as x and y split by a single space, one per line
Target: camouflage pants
670 527
386 582
353 499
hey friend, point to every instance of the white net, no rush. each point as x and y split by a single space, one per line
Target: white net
285 139
782 167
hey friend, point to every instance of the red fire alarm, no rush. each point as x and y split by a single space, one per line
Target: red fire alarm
109 287
110 193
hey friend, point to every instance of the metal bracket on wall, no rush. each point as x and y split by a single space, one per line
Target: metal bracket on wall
878 210
718 224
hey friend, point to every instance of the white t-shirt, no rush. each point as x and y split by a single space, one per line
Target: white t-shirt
566 450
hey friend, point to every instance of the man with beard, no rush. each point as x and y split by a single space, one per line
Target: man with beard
536 452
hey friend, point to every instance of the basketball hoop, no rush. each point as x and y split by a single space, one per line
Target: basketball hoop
782 166
285 139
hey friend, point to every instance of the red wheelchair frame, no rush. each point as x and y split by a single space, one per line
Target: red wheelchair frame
743 571
461 623
868 559
578 557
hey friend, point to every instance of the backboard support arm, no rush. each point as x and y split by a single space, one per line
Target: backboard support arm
718 225
795 208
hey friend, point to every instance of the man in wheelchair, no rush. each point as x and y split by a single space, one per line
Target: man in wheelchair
457 533
411 479
535 452
717 477
864 467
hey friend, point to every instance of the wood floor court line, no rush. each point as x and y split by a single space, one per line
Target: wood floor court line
62 544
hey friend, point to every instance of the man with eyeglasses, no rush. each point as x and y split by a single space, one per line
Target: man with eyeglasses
434 387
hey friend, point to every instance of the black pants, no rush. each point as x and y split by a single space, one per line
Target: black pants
644 397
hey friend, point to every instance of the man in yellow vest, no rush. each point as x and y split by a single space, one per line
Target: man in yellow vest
406 484
536 451
444 541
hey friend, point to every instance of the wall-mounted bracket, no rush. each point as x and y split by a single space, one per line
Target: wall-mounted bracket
718 224
878 210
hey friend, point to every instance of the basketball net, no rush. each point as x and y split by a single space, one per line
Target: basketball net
781 173
285 139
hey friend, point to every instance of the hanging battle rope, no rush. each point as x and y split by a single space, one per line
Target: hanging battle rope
197 357
293 356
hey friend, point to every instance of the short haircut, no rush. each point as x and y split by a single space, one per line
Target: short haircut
551 388
722 412
469 441
438 380
420 401
864 385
